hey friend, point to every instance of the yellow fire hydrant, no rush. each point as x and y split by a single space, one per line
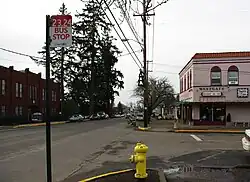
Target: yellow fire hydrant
139 158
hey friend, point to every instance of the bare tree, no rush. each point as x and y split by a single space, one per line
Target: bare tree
160 92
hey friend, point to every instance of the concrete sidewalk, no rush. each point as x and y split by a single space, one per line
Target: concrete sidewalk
169 126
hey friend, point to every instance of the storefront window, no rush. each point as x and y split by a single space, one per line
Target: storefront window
212 112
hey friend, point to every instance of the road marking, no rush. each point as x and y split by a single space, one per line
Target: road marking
196 138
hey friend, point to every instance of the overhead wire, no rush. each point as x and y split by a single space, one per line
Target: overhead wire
129 22
132 55
20 54
120 29
129 53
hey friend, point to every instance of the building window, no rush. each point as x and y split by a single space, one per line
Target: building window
215 76
30 92
190 77
19 111
53 110
188 81
181 80
33 92
19 90
53 95
185 83
43 94
3 87
3 111
233 75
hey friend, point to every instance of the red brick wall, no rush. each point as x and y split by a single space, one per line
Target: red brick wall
27 79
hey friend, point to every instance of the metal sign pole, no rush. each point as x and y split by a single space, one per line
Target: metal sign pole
48 132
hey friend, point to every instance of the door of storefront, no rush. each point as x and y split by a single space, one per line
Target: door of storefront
212 113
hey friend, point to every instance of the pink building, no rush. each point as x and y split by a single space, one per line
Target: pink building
215 85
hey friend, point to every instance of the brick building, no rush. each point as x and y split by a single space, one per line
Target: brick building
23 92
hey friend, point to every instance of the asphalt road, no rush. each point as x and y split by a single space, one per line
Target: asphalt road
22 149
81 150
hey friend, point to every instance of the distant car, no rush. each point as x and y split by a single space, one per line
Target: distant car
128 115
246 140
102 115
117 115
37 117
94 117
106 116
139 117
76 118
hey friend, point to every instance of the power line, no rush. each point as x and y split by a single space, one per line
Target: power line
119 35
128 53
120 29
20 54
130 24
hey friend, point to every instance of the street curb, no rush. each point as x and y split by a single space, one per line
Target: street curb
106 174
39 124
160 173
143 129
210 131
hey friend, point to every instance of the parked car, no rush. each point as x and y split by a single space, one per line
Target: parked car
140 117
246 140
37 117
106 116
102 115
95 117
76 118
128 115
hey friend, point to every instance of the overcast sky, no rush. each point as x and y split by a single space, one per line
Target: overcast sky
182 28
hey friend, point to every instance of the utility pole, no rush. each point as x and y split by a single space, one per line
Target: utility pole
145 64
144 16
62 70
149 113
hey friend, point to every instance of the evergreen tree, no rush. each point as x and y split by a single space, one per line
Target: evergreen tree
98 56
61 61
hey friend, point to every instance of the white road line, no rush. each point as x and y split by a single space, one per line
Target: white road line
196 138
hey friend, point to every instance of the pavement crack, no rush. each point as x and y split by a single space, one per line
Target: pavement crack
211 156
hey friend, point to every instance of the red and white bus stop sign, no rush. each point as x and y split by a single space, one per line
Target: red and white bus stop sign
61 31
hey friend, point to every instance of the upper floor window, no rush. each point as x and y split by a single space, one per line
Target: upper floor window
188 81
3 87
215 76
185 83
190 77
233 75
181 85
32 92
43 94
53 95
19 90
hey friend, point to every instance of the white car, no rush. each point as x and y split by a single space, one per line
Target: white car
246 140
139 117
76 118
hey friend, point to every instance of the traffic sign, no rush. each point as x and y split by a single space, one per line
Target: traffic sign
61 31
